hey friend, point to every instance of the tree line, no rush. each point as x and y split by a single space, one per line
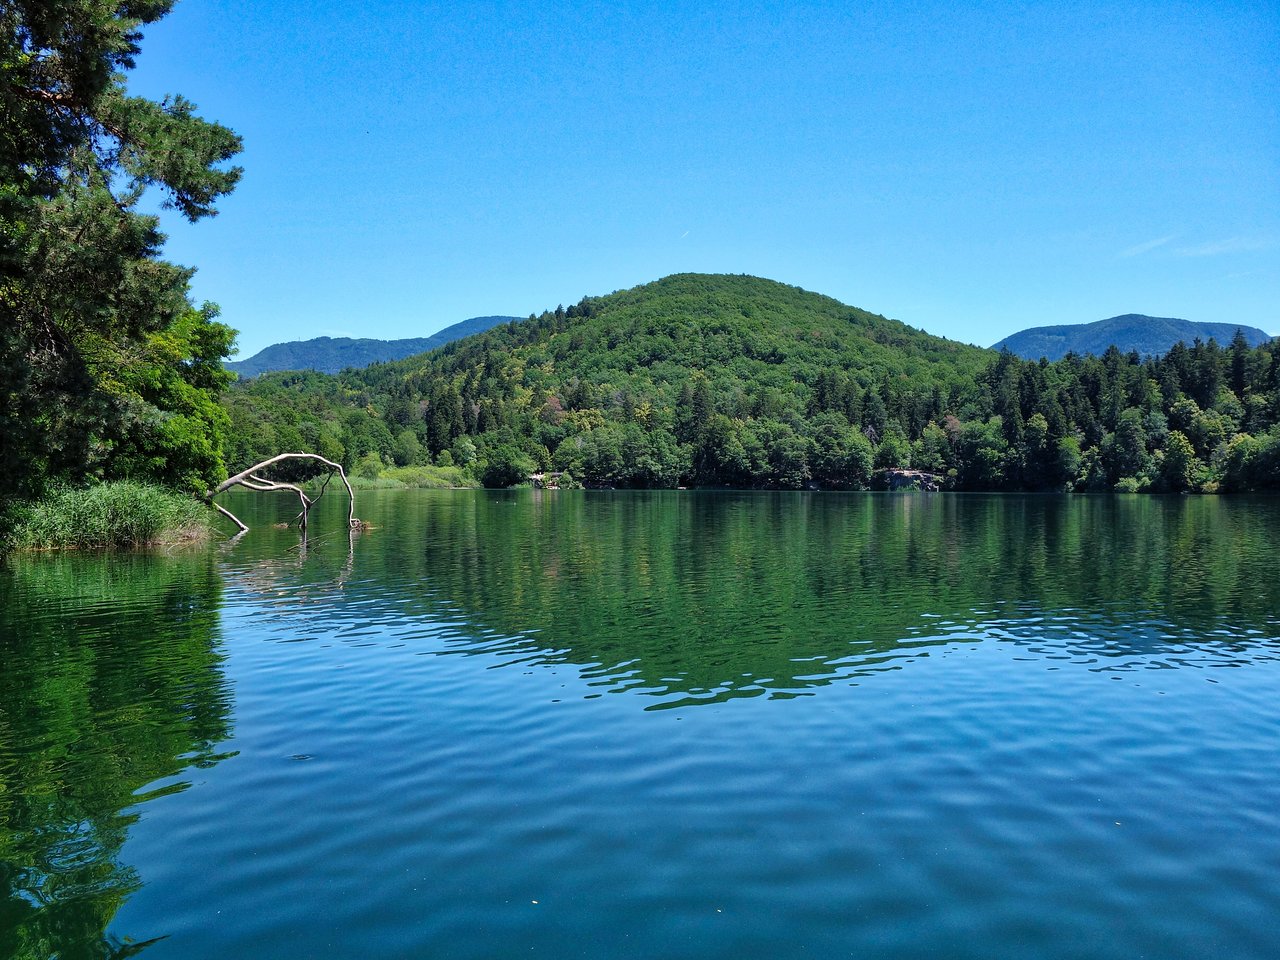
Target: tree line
641 411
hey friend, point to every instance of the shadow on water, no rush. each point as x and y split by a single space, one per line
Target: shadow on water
112 686
702 596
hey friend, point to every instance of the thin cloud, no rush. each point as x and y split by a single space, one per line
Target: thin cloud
1232 245
1147 247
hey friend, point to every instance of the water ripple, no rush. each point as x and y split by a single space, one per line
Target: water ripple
655 725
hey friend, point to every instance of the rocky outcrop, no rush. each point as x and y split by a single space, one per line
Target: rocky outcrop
894 479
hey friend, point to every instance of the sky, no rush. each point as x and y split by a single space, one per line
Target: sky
969 169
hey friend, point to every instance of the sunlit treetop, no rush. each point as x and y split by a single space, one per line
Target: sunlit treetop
65 112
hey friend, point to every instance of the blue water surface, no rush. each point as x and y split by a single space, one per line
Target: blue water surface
574 724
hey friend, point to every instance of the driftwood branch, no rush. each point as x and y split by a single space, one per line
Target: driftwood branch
256 482
251 479
229 515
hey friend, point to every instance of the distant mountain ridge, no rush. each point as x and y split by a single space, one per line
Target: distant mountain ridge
1131 331
332 354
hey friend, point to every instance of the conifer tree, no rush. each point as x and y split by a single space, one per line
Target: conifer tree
100 345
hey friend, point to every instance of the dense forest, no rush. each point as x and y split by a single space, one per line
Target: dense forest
737 381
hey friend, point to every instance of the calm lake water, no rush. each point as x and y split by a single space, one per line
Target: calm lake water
654 725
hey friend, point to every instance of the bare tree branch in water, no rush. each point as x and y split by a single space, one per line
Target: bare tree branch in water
251 479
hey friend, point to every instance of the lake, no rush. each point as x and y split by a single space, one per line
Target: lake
667 724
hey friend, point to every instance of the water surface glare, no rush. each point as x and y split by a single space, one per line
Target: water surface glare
653 725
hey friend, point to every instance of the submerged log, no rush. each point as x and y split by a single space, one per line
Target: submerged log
251 480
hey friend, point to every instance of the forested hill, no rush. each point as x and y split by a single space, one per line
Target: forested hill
332 354
652 361
1149 336
732 380
760 344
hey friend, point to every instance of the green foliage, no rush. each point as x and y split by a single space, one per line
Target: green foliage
408 449
1124 452
464 451
121 514
693 379
842 457
370 467
737 381
371 473
1179 467
362 483
1068 463
505 466
982 452
430 478
106 369
171 427
894 451
1250 463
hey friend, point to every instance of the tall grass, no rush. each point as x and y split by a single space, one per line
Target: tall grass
119 514
401 478
432 478
357 483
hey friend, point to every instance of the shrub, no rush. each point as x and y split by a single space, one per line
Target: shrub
507 466
358 482
118 514
370 466
431 478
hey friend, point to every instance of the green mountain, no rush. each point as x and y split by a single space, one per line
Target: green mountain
331 354
713 380
1149 336
656 366
747 336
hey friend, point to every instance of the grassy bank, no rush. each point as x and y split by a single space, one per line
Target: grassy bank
401 478
120 514
431 478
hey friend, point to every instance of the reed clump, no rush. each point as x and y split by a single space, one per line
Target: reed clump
116 514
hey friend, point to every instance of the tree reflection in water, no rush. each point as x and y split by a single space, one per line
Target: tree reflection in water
112 686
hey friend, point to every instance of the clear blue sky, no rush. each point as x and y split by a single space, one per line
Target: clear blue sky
968 171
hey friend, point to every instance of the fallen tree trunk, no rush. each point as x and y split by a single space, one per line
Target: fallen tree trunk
250 480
